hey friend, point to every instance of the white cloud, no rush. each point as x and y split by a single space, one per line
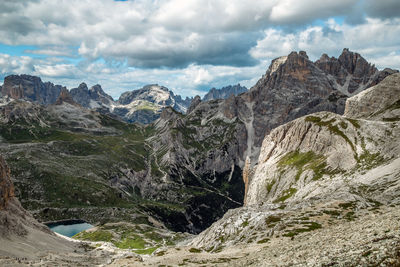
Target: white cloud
172 33
186 45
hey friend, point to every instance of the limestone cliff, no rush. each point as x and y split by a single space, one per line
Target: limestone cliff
318 170
30 88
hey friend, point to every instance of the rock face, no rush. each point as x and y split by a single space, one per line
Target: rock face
294 86
224 92
297 156
6 186
65 97
93 98
30 88
373 101
145 105
318 166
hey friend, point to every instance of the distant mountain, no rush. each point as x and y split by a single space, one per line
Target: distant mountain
225 92
145 105
30 88
93 98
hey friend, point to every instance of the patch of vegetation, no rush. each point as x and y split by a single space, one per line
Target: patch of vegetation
334 129
245 223
393 119
332 212
310 226
272 219
95 236
354 122
195 250
368 160
306 161
286 194
270 185
347 205
262 241
350 216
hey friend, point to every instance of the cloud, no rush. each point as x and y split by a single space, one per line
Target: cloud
383 8
164 33
10 64
375 39
294 11
187 45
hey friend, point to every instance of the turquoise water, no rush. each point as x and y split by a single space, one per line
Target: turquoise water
71 229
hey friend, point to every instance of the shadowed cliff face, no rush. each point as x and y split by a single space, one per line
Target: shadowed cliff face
30 88
6 186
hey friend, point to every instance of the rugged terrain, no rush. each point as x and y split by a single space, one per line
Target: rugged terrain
143 105
185 170
224 92
317 172
24 241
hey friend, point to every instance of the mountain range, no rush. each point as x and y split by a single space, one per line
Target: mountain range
143 105
309 144
224 92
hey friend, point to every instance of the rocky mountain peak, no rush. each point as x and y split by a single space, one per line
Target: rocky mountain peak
65 97
303 54
30 88
195 102
224 92
94 97
355 64
83 87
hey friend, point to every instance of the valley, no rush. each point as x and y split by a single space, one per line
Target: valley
307 157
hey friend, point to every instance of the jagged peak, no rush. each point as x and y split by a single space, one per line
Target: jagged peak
276 63
83 86
195 102
65 97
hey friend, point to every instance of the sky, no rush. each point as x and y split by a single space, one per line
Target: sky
188 46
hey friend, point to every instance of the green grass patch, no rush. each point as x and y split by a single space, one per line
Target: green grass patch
95 236
286 194
263 241
272 219
195 250
270 185
310 226
334 129
306 161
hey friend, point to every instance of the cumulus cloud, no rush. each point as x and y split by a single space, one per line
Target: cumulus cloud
169 33
294 11
383 8
187 45
374 39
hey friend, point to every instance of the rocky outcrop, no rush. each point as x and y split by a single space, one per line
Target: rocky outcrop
65 97
145 105
322 163
6 186
196 101
93 98
375 101
224 92
30 88
297 156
